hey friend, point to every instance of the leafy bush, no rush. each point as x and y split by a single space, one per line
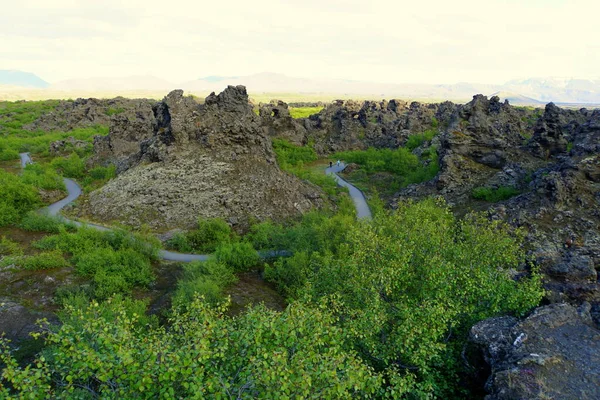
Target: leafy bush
102 173
9 248
8 154
71 167
206 279
46 260
16 198
37 222
417 140
290 154
411 278
297 353
209 234
42 177
116 261
494 195
240 256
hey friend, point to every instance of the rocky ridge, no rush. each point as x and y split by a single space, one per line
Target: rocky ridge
193 160
83 113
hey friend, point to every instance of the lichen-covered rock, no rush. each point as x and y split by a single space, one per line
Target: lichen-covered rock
62 147
552 354
83 113
198 160
353 125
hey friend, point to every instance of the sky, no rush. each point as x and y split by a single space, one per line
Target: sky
380 41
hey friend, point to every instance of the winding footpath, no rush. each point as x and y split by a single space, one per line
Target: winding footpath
74 191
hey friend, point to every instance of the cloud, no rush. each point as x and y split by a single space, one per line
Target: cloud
386 41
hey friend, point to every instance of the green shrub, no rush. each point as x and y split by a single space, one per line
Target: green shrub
116 261
413 282
16 198
42 177
291 154
298 353
46 260
8 155
9 248
114 271
102 173
38 222
417 140
209 234
71 167
180 242
494 195
206 279
240 256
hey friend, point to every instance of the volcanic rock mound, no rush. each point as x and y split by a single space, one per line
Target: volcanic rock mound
193 160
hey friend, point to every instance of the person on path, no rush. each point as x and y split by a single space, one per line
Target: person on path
338 163
330 164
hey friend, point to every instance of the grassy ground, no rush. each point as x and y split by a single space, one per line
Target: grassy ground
304 112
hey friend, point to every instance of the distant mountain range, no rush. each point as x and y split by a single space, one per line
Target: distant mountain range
22 79
533 91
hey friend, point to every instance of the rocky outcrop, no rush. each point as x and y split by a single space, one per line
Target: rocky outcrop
17 322
552 354
63 147
83 113
277 122
198 160
554 161
352 125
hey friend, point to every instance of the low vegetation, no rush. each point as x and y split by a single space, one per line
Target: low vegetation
297 161
494 195
304 112
385 171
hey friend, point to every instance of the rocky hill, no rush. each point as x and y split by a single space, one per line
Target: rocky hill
188 160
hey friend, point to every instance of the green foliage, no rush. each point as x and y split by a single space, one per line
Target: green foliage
240 256
494 195
209 234
8 154
38 222
16 115
103 173
45 260
9 248
102 350
400 162
304 112
115 261
16 198
42 177
72 166
206 279
569 147
114 111
292 155
412 277
417 140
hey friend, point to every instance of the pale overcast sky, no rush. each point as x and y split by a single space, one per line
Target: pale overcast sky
383 41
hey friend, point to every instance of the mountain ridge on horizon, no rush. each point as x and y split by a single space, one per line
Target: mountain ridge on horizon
529 91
